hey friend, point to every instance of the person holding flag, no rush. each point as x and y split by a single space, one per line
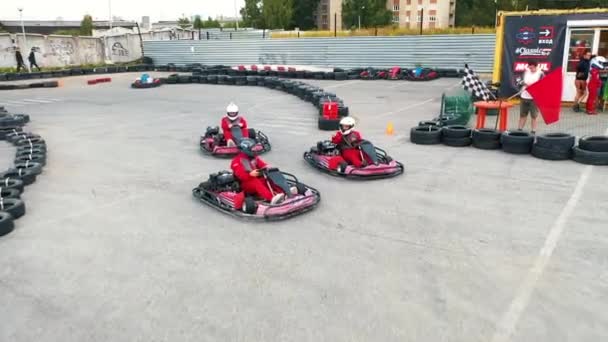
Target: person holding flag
527 107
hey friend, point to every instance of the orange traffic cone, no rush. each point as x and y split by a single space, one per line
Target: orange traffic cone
390 130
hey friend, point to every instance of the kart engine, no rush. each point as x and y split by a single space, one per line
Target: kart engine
223 181
327 148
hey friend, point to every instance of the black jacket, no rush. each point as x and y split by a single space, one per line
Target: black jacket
32 57
582 70
19 57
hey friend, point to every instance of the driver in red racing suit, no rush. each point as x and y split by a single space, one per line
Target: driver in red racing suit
596 65
247 167
347 140
231 119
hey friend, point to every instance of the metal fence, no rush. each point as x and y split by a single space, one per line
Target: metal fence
215 34
442 51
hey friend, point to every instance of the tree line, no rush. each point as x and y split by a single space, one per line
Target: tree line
483 12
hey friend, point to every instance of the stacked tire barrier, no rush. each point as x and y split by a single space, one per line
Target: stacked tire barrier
591 150
336 74
48 84
30 158
313 94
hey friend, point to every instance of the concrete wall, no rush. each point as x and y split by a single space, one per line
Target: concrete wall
60 51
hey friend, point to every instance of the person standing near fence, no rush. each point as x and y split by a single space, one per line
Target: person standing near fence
32 59
19 59
532 75
582 73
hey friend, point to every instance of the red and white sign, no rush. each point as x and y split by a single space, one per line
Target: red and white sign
546 32
522 66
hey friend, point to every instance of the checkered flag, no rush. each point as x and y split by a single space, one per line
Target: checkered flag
472 83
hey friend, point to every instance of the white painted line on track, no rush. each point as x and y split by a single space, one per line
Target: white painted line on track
508 323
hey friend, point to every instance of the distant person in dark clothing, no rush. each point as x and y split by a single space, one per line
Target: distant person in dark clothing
19 59
582 74
32 59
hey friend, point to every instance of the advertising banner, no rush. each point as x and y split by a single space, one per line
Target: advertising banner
541 38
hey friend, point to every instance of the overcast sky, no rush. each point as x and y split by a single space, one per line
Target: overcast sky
127 9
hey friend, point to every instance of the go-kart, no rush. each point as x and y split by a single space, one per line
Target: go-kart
222 189
374 74
214 143
382 166
420 74
144 83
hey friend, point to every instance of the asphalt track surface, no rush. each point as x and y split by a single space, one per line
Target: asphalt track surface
468 245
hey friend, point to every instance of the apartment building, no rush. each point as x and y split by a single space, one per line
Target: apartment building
406 13
329 15
432 13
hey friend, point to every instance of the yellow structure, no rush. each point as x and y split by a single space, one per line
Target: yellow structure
594 27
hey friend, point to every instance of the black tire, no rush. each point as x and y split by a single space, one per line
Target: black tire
328 124
429 123
27 152
589 157
51 84
13 206
29 142
456 131
252 133
517 142
28 177
9 193
250 206
30 148
561 142
456 142
425 135
341 76
6 223
6 131
12 183
14 137
486 139
549 153
212 79
34 167
597 143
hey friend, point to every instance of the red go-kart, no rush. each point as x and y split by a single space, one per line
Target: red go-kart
214 143
222 189
382 166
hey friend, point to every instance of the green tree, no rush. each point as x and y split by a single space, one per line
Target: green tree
232 24
183 22
303 14
482 12
210 23
198 22
277 14
252 14
86 26
372 13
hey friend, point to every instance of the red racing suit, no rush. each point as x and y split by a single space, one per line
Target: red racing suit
593 85
227 124
347 145
241 166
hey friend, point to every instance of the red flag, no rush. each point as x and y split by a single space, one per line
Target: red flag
547 95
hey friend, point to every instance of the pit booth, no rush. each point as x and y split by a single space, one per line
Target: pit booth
553 38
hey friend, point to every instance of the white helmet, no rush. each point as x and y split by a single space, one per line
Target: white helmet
599 62
232 111
349 122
